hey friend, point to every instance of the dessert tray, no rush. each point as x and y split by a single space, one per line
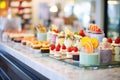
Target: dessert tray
63 58
112 64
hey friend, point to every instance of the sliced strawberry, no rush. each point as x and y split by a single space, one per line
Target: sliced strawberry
57 49
59 45
70 49
81 33
52 47
75 49
117 41
63 46
99 30
109 40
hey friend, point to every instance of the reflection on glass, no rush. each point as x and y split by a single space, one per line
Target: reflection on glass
113 18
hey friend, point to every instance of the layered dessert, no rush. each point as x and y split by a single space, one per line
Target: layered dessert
105 50
63 50
52 49
75 54
77 37
116 46
88 54
69 53
57 51
45 46
41 32
52 34
95 32
60 38
69 38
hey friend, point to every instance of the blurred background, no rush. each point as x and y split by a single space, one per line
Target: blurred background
75 14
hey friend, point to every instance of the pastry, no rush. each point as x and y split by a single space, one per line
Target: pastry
44 50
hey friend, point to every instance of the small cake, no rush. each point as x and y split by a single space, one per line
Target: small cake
52 49
44 50
63 50
95 32
45 46
35 45
75 54
89 55
116 46
69 53
57 51
105 50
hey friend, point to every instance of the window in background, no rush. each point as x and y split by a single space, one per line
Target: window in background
113 18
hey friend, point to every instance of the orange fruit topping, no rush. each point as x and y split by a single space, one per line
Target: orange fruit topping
88 47
94 42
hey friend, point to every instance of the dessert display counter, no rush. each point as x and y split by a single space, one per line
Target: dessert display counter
36 66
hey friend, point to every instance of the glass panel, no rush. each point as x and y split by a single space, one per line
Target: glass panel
113 18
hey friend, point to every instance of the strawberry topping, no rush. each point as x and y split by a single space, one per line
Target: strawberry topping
99 30
57 48
70 49
63 46
75 49
109 40
81 33
52 47
117 41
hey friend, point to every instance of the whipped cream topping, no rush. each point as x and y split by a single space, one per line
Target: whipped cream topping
105 45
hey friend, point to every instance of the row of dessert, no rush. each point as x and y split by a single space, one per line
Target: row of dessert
91 46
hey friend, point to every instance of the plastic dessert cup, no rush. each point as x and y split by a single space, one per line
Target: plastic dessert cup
105 56
41 36
89 59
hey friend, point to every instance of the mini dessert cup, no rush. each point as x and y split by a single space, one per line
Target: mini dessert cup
53 38
41 36
105 56
117 50
89 59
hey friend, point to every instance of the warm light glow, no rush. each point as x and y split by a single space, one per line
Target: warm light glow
53 8
113 2
2 4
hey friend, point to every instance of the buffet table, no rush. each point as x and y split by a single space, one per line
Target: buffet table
54 69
